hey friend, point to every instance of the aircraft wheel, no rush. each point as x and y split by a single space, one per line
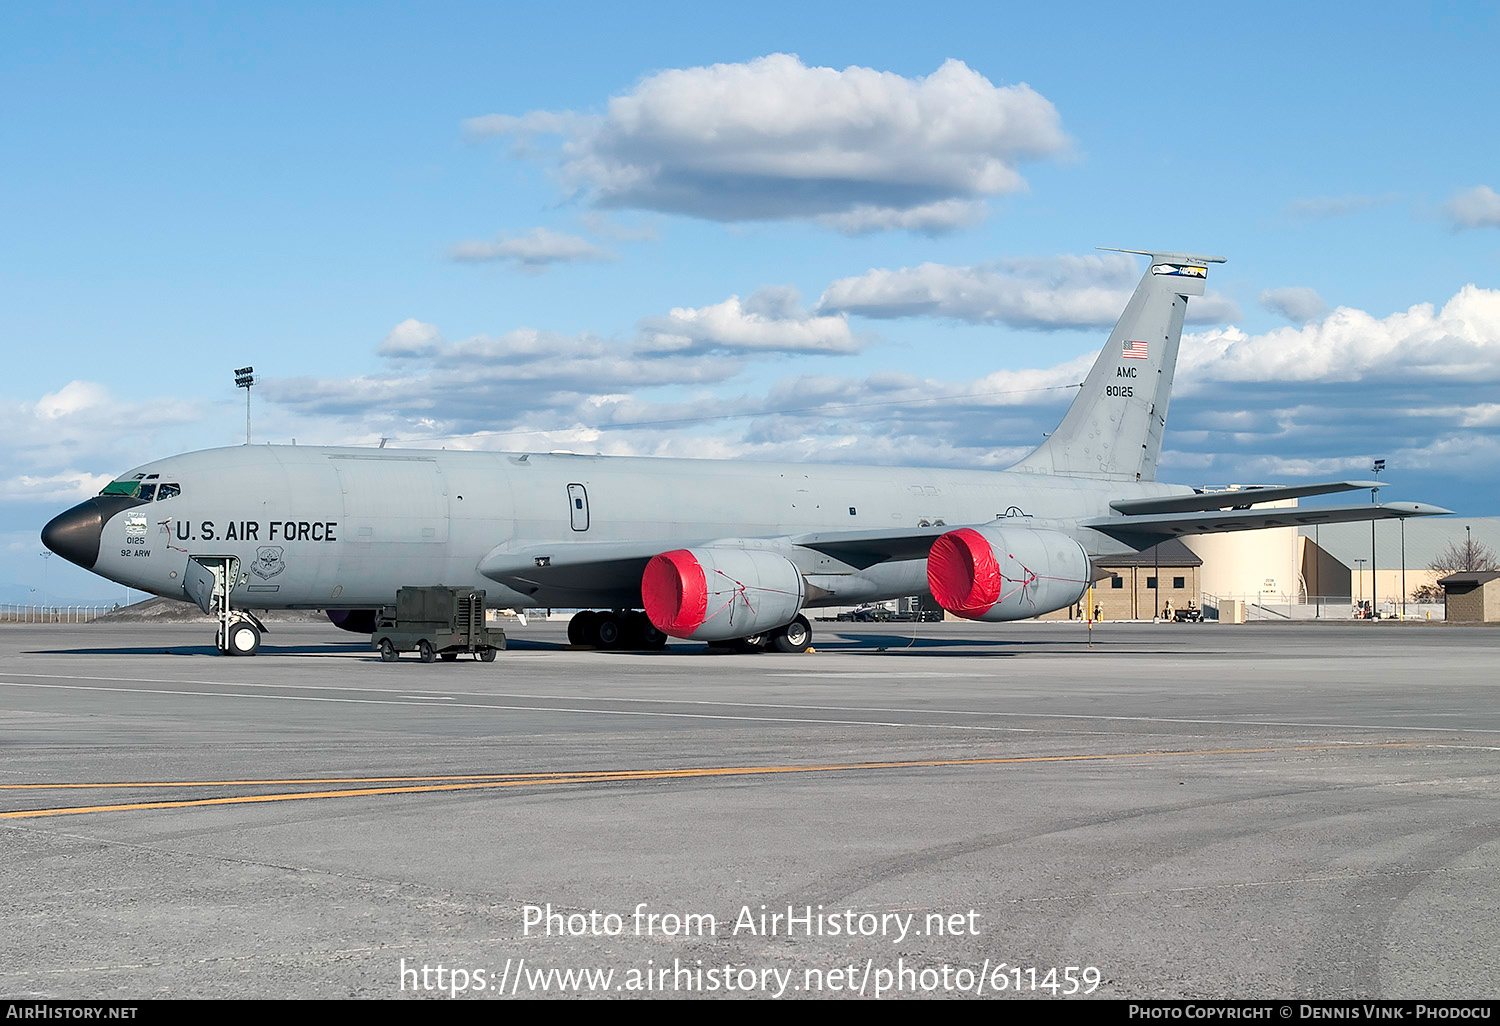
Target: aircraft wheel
640 633
794 637
388 651
651 636
425 651
607 630
754 643
487 655
244 639
581 628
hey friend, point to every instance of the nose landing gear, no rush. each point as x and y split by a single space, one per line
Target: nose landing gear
209 581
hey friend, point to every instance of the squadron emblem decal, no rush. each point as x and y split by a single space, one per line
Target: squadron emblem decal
268 562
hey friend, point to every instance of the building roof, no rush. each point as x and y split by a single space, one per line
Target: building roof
1170 553
1470 577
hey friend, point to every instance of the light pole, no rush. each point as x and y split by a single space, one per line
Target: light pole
1468 548
1317 574
244 377
1403 568
1375 498
46 562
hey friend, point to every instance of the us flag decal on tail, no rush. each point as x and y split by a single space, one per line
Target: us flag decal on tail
1134 351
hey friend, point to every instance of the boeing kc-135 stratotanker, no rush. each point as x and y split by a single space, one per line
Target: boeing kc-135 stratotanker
711 550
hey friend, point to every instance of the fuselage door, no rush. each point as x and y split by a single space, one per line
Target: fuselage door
578 507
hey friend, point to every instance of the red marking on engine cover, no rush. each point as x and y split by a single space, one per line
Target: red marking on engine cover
962 573
675 593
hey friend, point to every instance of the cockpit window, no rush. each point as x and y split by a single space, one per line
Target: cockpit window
144 490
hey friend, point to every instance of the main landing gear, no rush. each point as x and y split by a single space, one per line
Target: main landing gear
794 637
614 629
632 630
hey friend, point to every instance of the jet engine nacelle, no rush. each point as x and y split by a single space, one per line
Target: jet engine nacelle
356 621
715 594
1006 573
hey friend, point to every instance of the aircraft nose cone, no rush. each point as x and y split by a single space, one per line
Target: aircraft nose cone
74 535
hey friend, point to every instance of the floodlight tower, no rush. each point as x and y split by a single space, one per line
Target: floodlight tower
244 377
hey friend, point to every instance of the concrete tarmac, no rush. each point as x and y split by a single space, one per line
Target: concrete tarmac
1152 811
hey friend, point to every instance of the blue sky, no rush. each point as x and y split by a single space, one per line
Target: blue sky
520 228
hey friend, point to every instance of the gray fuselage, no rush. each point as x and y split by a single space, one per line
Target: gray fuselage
317 527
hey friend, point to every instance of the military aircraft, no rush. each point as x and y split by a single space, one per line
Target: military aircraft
722 551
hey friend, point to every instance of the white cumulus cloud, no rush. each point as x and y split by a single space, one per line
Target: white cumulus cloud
771 320
773 138
1458 343
1050 293
1478 207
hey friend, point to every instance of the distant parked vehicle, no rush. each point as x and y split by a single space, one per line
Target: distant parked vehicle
865 614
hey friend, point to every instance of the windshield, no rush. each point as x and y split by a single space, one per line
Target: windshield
145 490
121 488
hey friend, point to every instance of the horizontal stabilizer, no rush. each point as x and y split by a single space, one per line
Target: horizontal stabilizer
1174 524
1238 498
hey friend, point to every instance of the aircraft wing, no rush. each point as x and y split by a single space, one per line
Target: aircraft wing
572 565
1126 527
1239 498
866 548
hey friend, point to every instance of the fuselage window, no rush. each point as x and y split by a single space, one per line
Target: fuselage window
166 491
147 492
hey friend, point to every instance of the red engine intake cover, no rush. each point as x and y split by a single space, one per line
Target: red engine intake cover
675 593
962 573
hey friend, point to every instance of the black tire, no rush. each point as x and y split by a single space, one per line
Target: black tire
581 628
487 655
794 637
244 639
425 651
754 644
640 633
608 631
388 653
652 637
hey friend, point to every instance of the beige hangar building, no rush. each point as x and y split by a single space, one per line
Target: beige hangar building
1287 573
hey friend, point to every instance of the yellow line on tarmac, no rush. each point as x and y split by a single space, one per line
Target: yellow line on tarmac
283 781
596 776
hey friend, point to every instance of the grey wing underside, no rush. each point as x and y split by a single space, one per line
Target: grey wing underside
1132 529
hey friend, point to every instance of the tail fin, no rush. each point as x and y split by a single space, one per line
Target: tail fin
1113 430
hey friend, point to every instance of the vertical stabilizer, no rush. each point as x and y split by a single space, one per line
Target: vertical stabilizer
1113 430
